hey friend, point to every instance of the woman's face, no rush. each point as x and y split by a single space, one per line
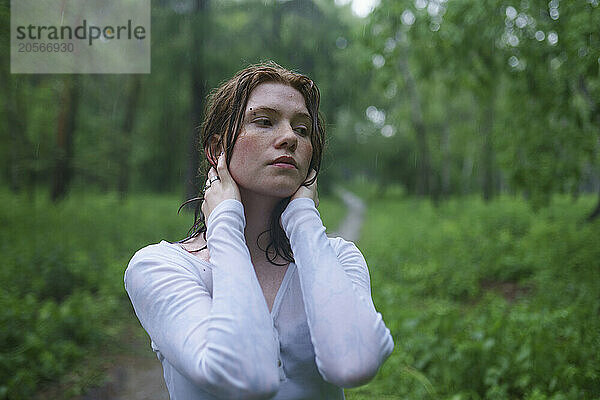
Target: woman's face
276 123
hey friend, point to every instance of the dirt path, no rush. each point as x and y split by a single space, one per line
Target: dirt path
138 374
350 227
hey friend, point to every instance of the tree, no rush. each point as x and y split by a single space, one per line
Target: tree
67 117
200 29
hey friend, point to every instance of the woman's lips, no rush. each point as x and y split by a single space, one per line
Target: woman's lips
284 165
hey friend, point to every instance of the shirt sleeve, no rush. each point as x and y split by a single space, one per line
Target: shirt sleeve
224 344
349 337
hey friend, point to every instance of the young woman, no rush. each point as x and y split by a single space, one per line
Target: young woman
258 302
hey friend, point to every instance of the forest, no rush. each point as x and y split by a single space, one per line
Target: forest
470 129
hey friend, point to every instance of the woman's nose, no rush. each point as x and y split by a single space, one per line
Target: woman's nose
287 137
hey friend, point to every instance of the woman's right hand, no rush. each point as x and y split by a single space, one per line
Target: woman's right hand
222 189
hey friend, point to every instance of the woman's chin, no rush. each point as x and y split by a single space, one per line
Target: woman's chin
275 191
283 193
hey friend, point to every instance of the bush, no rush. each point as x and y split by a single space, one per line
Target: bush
485 301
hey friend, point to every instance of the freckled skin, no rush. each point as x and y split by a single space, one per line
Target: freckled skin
260 142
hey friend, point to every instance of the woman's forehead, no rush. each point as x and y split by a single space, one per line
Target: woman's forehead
276 96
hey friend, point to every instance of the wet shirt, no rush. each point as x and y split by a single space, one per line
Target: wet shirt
212 330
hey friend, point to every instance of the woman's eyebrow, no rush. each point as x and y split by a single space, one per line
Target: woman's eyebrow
253 110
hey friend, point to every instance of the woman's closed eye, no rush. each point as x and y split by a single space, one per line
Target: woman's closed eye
302 130
262 122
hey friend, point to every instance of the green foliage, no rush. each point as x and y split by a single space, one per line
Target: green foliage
508 94
485 301
62 278
498 109
62 273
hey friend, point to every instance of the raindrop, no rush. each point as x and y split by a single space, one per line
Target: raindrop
552 38
553 4
513 61
513 40
554 13
388 131
521 21
434 26
555 63
364 8
408 18
540 36
582 52
378 61
503 40
341 43
511 12
420 4
594 3
390 45
433 9
376 116
371 112
391 90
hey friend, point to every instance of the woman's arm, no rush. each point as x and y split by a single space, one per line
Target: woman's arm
349 336
223 344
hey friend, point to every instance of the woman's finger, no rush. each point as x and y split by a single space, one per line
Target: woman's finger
311 175
222 169
212 173
203 208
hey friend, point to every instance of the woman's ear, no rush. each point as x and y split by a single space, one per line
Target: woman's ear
215 148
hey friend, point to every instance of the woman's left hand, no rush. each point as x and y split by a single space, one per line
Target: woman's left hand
309 191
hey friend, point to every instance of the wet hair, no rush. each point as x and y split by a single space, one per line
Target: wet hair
222 125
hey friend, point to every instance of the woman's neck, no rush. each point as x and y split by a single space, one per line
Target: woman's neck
257 209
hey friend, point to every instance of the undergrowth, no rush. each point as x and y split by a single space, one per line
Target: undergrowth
485 301
62 297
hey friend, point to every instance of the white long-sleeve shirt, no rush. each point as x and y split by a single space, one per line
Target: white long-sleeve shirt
214 335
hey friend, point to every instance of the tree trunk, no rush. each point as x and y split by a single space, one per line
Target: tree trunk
64 138
596 213
446 161
15 125
423 159
200 30
595 112
126 132
467 173
487 161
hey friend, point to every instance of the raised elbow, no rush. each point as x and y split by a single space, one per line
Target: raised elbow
355 370
350 376
266 384
246 382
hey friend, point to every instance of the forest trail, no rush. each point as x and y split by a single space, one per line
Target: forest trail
138 374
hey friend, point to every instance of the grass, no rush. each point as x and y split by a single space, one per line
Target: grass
485 300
